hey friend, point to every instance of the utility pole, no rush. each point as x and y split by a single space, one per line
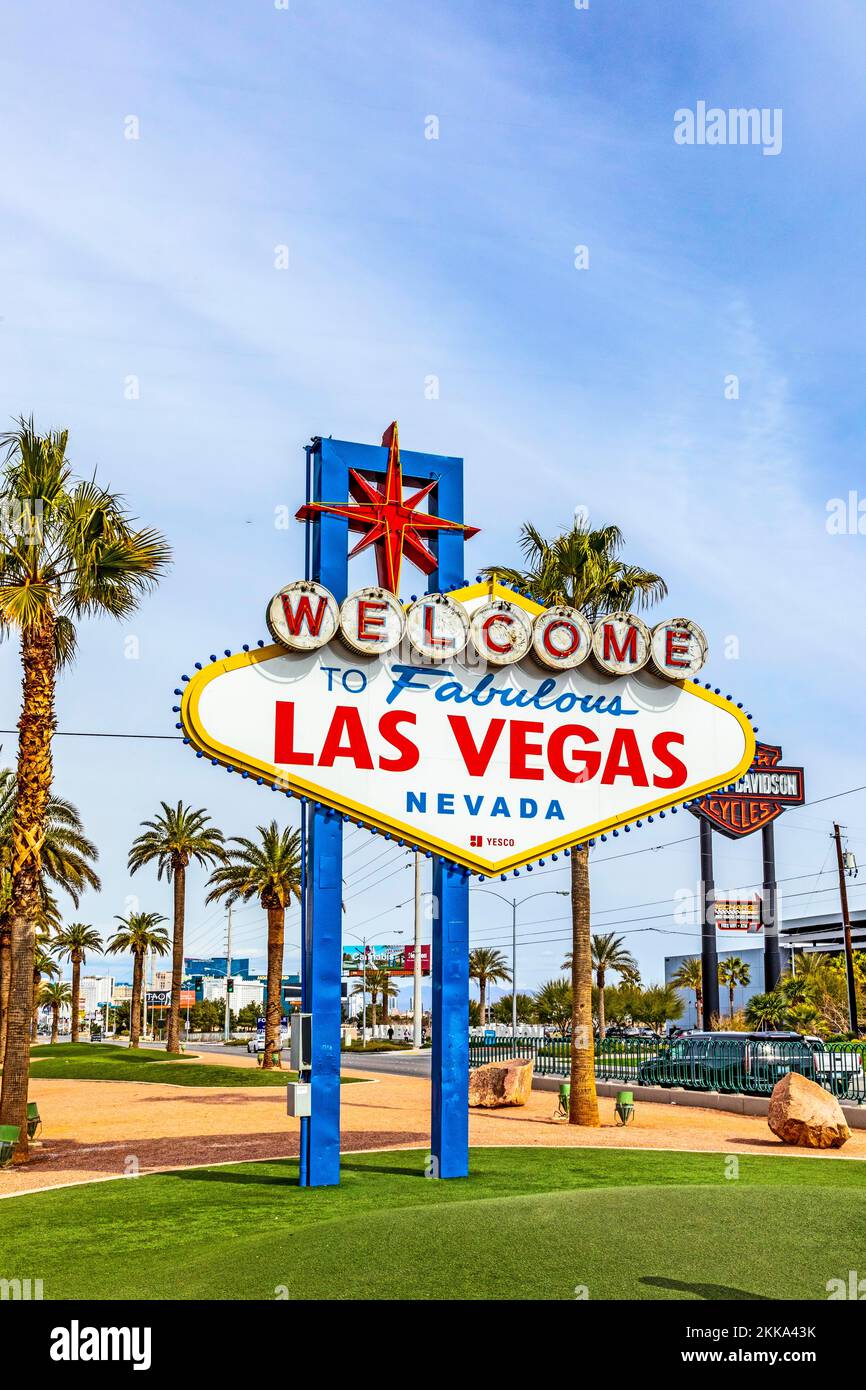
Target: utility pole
846 928
227 1023
416 973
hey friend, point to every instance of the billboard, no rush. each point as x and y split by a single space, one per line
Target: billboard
397 960
738 914
475 724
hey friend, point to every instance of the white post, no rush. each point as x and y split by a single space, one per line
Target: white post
416 995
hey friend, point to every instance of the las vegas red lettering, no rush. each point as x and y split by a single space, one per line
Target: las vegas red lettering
573 753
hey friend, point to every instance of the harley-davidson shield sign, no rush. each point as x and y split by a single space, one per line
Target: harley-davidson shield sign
759 796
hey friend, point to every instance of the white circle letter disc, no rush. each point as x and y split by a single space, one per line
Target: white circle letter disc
303 615
372 621
561 638
438 627
501 632
679 648
621 643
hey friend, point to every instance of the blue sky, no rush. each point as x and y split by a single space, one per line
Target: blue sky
153 258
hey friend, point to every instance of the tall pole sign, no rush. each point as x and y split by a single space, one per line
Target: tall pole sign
752 803
471 724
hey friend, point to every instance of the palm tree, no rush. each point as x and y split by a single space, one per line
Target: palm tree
732 972
382 987
66 862
689 976
377 982
172 839
769 1010
581 568
487 967
68 549
268 869
608 953
72 943
43 964
553 1003
137 934
658 1005
55 996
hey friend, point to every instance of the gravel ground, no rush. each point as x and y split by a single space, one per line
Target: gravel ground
100 1129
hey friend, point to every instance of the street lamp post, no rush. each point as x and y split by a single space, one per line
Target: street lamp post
514 903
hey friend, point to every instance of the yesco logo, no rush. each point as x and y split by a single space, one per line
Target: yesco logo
77 1343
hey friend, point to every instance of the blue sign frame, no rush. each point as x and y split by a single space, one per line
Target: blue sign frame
328 464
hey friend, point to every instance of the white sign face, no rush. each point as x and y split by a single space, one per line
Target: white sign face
489 766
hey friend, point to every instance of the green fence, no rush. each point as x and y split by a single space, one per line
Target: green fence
744 1066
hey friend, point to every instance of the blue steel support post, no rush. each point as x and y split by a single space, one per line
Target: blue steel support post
322 959
323 946
449 1118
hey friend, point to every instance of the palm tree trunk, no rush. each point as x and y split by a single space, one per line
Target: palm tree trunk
135 1001
583 1104
37 985
5 951
699 1007
373 997
599 980
482 1001
55 1022
731 1000
35 728
276 935
172 1042
76 992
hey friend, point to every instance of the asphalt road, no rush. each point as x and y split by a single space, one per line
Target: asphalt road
393 1063
390 1063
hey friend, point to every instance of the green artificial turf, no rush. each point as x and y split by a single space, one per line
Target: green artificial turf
528 1224
107 1062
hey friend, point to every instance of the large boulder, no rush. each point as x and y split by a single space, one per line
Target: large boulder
501 1083
802 1112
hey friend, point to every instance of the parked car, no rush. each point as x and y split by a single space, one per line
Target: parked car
750 1062
257 1044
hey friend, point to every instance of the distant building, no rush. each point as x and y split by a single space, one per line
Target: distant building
244 992
95 991
218 965
121 994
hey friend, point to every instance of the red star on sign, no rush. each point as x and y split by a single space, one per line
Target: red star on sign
390 522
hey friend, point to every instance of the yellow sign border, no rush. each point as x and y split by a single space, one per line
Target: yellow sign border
232 757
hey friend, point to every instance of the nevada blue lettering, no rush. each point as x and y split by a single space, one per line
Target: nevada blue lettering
526 808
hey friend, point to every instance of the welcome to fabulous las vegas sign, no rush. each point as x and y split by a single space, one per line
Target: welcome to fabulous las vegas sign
477 724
